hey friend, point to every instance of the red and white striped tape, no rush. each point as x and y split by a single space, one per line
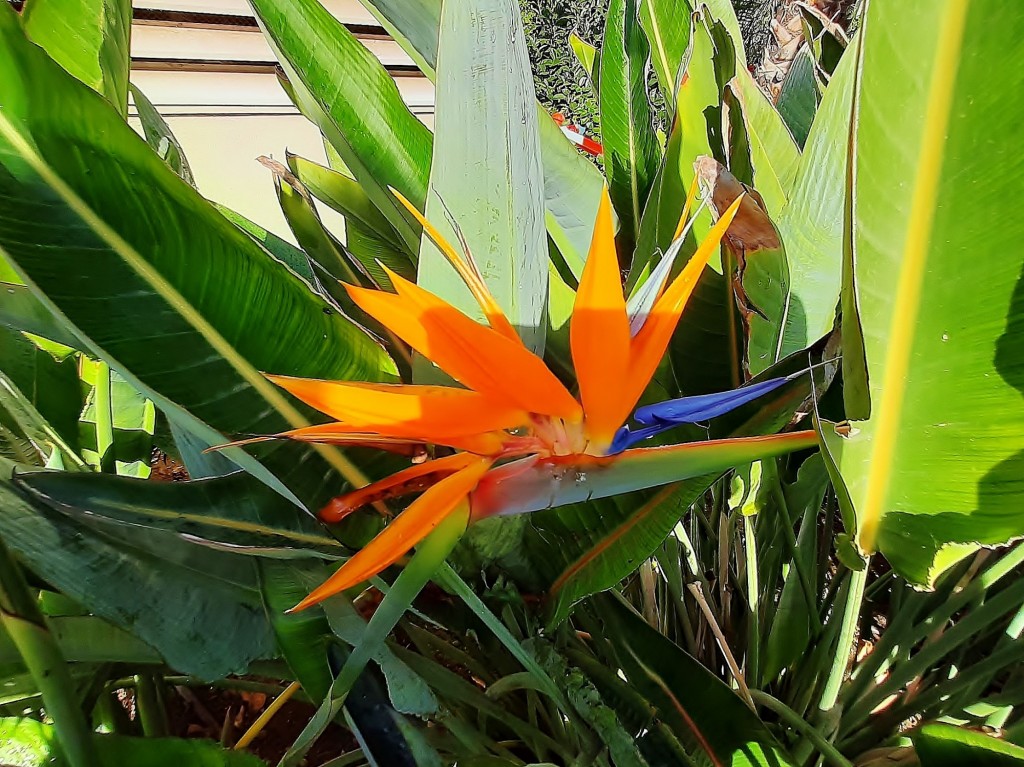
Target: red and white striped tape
576 136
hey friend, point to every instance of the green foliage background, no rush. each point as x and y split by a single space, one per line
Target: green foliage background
561 82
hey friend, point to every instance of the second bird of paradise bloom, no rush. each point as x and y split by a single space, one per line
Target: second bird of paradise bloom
510 405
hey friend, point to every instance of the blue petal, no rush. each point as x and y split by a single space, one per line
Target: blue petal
705 406
625 439
662 416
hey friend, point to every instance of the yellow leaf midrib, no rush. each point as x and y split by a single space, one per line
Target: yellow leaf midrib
913 262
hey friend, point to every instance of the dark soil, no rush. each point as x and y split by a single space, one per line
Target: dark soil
224 715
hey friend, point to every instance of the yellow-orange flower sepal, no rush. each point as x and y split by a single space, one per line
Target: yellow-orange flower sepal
409 528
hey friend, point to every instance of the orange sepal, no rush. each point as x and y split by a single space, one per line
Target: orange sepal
404 482
691 195
428 413
476 355
467 271
409 528
334 433
599 332
650 343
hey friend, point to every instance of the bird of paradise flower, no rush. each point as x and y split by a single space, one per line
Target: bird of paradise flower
516 430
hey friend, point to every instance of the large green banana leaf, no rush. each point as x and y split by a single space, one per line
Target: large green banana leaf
198 607
346 91
667 26
799 97
486 180
710 64
85 639
159 136
938 468
181 303
572 185
811 225
117 423
417 24
707 348
773 154
342 193
723 12
234 513
25 434
22 311
631 151
50 384
89 38
945 745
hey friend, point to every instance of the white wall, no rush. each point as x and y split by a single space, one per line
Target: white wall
225 120
222 153
349 11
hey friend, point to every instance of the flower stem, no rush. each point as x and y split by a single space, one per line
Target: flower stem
847 636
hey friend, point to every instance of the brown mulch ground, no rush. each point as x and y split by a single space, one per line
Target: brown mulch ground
225 715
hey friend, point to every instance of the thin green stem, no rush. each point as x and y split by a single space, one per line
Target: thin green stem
25 624
964 629
648 595
847 636
674 583
753 603
904 632
104 418
794 720
939 699
827 533
803 578
108 715
149 702
446 577
424 565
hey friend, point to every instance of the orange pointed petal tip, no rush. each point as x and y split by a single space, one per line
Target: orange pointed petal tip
426 413
650 343
409 528
479 357
691 195
599 332
467 271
